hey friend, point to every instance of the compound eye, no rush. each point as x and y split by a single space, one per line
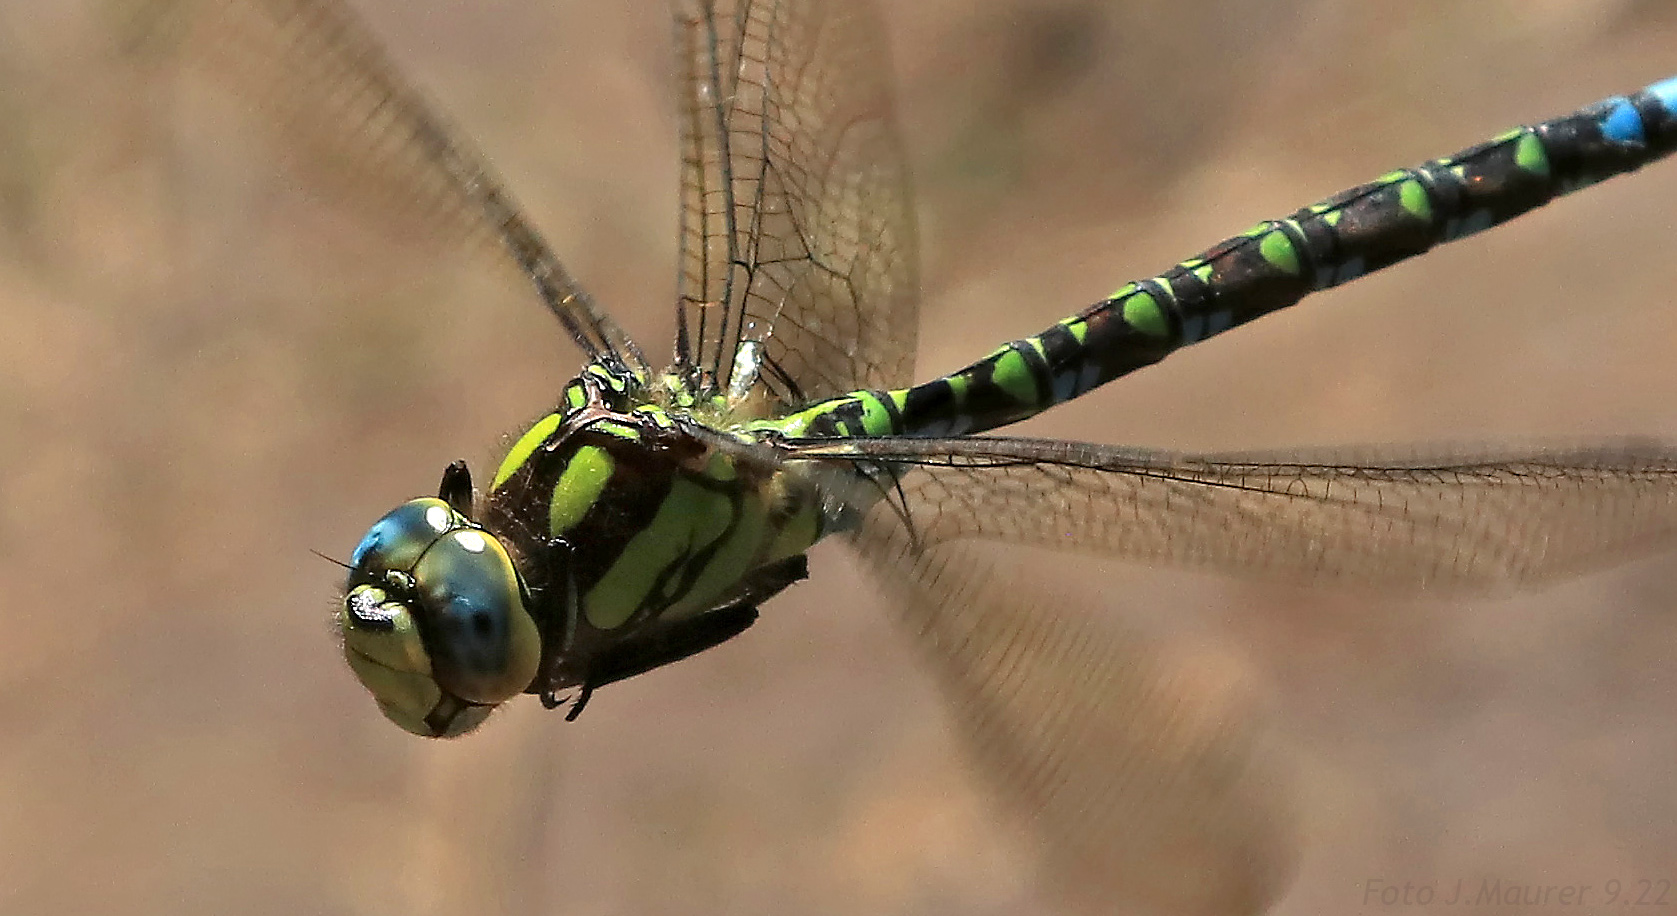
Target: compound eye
385 650
484 646
396 541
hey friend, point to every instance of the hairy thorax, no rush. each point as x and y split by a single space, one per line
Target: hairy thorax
621 522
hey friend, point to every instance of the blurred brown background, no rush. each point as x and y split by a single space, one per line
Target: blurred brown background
195 391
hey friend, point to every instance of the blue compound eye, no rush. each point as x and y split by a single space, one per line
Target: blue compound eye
396 541
484 646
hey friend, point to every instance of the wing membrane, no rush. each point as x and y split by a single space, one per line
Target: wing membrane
1147 773
1461 521
797 233
340 111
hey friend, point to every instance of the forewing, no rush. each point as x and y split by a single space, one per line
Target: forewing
1397 520
1148 773
797 232
346 121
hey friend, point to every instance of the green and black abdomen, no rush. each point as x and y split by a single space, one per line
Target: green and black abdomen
1278 262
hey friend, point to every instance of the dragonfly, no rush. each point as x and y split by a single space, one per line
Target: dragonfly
650 511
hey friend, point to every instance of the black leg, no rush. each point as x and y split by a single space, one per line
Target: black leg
672 642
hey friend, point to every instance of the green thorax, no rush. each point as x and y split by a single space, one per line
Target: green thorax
622 514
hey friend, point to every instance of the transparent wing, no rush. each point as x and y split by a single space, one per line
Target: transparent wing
1408 520
344 117
1148 773
797 233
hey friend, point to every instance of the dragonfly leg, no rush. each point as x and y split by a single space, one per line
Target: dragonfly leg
676 640
670 643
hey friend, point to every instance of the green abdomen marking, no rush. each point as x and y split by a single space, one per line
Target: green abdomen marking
1280 261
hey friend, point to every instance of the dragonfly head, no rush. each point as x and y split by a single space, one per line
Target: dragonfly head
434 621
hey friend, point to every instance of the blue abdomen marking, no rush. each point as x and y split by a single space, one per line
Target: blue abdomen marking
1623 123
1666 92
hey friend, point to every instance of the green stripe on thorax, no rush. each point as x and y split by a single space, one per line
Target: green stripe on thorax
689 517
526 446
643 517
579 487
